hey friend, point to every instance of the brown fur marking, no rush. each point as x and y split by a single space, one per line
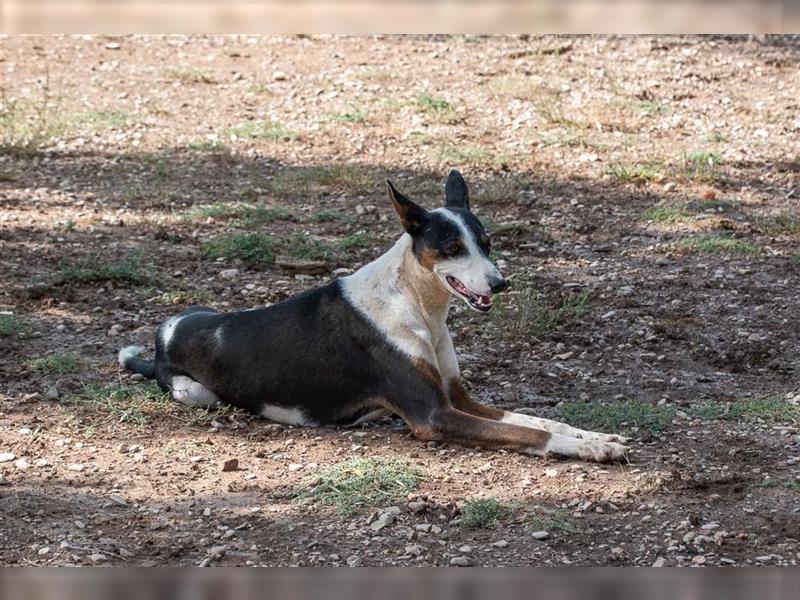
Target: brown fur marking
461 400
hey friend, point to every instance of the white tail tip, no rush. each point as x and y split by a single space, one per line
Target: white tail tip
128 352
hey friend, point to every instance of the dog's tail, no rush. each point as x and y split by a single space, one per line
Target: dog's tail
129 359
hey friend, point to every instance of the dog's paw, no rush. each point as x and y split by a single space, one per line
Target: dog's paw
602 451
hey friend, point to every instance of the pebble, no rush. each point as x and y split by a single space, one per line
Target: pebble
217 551
43 551
460 561
51 393
22 464
97 557
414 549
540 535
232 464
660 562
115 330
385 519
353 560
465 549
500 543
278 76
76 467
229 273
7 457
550 472
295 467
668 187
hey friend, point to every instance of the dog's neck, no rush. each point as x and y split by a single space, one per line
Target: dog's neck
424 287
396 291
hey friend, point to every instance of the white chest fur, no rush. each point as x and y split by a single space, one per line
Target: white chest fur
392 293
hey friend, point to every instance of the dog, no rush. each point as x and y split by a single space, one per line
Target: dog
368 345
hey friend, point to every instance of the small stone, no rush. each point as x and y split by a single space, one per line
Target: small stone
414 549
465 549
76 467
112 46
540 535
7 457
232 464
51 393
125 553
137 377
550 472
97 557
22 464
353 560
709 195
460 561
229 273
295 467
43 551
278 76
42 462
668 187
660 562
217 551
500 543
385 519
115 330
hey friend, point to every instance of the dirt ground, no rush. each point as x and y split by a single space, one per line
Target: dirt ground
643 195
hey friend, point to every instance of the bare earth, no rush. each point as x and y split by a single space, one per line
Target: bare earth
644 197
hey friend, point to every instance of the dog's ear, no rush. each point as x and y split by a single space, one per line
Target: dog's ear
412 215
455 192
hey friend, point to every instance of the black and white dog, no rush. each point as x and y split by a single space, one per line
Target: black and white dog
371 344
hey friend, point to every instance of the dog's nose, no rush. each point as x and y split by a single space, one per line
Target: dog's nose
497 284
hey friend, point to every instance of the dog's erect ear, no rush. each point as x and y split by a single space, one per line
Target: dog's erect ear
412 215
455 192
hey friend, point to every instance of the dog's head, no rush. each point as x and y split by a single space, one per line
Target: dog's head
452 243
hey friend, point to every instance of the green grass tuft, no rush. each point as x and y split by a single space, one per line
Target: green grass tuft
769 409
702 166
352 115
613 417
483 513
247 215
637 173
305 180
782 224
262 130
255 249
359 484
527 313
93 269
550 520
438 108
190 75
333 215
56 362
719 244
666 214
11 325
361 239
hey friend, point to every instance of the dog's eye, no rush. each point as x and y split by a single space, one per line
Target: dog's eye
452 248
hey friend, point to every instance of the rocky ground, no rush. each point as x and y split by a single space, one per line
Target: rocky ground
643 197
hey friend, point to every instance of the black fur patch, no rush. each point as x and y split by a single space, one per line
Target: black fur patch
314 352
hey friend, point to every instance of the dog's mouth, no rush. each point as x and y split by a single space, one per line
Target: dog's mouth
476 301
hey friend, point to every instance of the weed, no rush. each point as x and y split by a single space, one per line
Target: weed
28 125
186 297
310 179
483 513
549 520
501 190
358 484
529 315
248 215
666 214
770 409
362 239
11 325
262 130
719 244
255 249
100 119
301 245
93 269
653 108
716 137
636 173
353 115
212 147
190 75
438 108
56 362
782 224
333 215
613 417
476 157
702 166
